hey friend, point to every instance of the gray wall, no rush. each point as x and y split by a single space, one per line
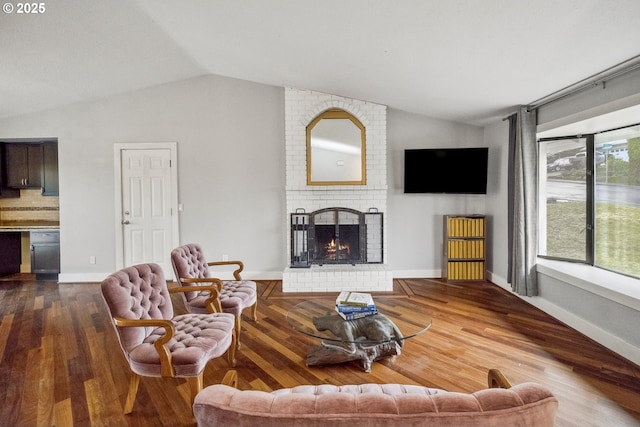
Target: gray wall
230 137
583 297
496 137
619 319
415 220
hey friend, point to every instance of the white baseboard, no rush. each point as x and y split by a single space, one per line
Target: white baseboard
82 277
246 275
416 274
260 275
99 277
605 338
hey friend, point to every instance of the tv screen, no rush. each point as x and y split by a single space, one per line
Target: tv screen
446 170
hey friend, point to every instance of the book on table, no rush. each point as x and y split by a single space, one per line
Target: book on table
354 298
353 315
355 305
355 308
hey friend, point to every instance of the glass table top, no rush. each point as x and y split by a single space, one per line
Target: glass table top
318 318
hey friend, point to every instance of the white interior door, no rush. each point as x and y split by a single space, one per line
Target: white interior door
148 215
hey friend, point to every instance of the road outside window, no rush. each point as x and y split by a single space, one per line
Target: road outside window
609 238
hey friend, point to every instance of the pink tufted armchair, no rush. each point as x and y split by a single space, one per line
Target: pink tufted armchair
377 405
192 269
154 341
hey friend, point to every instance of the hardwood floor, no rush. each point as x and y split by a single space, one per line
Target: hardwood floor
61 363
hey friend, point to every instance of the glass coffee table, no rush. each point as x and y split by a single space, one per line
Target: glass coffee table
365 340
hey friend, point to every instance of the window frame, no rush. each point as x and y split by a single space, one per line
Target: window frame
590 200
589 197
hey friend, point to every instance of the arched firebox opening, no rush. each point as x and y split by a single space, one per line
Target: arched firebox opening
336 236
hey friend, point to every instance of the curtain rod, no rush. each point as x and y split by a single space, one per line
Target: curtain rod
594 80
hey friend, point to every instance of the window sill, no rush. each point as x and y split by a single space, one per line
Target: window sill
615 287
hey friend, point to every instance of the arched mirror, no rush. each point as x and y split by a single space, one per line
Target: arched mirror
336 150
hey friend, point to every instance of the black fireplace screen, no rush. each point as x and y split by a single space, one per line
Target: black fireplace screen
336 236
337 243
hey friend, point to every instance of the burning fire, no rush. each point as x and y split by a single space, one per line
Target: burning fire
343 250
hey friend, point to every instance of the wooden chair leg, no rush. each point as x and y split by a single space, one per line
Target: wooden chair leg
254 311
238 326
231 353
496 379
131 395
195 385
230 378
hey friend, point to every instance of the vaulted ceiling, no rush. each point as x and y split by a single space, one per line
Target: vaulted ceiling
469 61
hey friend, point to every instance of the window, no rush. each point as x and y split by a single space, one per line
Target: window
590 199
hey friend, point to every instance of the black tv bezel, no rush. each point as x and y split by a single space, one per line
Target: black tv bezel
463 185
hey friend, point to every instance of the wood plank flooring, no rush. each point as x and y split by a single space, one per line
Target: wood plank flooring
61 364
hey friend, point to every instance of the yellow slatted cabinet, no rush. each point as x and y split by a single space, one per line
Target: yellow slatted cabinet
464 247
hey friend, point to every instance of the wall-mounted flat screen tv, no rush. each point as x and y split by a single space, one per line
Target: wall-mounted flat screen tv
446 170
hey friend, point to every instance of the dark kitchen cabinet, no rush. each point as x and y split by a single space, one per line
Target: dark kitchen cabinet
45 253
5 192
50 169
24 165
10 245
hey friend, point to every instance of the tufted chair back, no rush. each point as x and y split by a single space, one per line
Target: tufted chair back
154 341
190 265
137 292
189 261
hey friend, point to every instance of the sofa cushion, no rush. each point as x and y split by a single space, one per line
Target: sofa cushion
526 404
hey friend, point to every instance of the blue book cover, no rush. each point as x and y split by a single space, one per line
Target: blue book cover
354 308
357 315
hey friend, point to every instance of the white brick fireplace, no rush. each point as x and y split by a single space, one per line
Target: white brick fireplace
301 107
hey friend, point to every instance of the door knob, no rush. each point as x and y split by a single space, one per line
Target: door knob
126 221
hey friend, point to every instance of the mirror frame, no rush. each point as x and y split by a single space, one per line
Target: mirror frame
330 115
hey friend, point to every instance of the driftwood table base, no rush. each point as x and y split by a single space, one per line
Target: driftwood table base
331 353
346 348
363 340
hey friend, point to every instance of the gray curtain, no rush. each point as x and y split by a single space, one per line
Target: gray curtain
522 205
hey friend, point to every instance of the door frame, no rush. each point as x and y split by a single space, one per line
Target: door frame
117 162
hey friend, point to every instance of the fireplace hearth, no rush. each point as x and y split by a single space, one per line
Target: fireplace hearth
336 236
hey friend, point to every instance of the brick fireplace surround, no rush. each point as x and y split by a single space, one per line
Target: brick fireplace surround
301 107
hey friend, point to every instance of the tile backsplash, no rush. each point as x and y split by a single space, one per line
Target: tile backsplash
30 206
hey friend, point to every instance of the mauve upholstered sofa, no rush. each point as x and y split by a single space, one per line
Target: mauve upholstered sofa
372 405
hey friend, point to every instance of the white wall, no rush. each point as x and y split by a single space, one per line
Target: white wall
603 305
600 304
230 136
415 220
496 137
231 161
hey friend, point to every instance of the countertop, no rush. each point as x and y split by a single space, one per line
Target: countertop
6 226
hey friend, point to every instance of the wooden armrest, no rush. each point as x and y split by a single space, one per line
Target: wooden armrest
213 280
495 379
230 378
213 302
236 273
166 366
